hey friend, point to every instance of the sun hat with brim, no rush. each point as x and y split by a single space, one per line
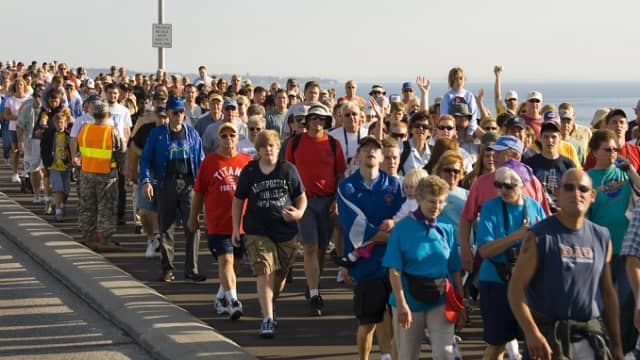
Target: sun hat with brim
377 88
322 111
599 116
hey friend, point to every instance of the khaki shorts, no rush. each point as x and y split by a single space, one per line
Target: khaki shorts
266 256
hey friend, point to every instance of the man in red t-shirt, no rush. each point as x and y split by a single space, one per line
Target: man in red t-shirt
321 164
215 186
616 121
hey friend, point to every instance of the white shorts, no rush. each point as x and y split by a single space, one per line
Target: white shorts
32 159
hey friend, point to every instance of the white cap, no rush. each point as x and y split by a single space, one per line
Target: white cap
511 94
534 95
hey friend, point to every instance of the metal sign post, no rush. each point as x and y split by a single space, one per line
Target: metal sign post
161 35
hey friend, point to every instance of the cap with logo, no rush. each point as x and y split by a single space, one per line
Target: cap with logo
550 122
516 121
534 95
507 142
511 94
175 103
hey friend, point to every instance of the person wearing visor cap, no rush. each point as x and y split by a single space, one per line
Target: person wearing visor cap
321 163
367 201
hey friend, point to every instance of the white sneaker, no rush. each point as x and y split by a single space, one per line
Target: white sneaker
156 243
221 306
340 278
151 250
15 178
36 199
235 310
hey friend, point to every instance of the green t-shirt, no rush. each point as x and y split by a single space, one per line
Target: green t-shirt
612 199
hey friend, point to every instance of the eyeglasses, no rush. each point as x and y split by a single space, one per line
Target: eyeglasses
503 185
572 187
442 127
452 171
255 129
421 126
227 136
491 128
534 101
610 150
398 135
353 114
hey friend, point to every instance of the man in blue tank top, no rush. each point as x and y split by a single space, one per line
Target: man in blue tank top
562 267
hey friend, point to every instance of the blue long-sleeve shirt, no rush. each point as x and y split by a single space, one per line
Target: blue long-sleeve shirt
155 155
362 209
469 99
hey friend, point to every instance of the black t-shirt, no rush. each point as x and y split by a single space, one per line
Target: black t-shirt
267 195
179 162
140 138
549 172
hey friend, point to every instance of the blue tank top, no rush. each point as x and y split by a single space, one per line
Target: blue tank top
570 263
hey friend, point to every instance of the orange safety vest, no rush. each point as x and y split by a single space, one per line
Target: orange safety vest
96 148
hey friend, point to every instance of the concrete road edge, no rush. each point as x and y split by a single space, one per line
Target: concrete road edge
165 330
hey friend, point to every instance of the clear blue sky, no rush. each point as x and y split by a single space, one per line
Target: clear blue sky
543 40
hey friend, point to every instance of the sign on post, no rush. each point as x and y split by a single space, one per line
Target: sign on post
161 36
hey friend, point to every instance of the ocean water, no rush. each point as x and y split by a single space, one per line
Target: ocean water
586 97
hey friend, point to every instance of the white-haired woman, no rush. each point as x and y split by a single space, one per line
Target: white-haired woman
503 223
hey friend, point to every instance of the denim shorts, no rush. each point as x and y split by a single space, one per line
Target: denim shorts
220 244
60 181
142 202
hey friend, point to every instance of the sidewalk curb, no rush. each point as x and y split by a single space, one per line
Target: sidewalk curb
163 329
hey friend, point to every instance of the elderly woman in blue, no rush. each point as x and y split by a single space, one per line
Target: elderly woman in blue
420 255
503 223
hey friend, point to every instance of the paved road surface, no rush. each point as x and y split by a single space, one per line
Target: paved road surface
299 336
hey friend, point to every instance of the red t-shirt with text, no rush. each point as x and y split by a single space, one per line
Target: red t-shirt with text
217 180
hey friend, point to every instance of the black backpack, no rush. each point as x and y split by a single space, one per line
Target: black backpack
406 151
295 141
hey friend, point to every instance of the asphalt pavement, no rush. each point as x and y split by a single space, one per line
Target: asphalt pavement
299 336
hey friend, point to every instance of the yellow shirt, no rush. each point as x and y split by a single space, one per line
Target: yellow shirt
565 149
61 159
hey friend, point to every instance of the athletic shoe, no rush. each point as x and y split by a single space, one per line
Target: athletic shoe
316 304
267 329
221 306
156 242
235 310
59 217
36 199
15 178
195 277
340 278
151 250
168 276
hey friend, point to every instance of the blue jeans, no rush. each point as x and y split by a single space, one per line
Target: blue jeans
6 139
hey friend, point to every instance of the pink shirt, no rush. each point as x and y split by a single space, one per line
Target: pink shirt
483 190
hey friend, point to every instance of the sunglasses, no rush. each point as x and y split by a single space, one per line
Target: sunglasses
352 114
512 99
299 119
227 136
503 185
442 127
452 171
255 129
572 187
398 135
421 126
534 101
610 150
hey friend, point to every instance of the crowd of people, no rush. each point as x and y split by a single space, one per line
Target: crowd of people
429 204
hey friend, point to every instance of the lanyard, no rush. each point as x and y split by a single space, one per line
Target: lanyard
505 216
346 140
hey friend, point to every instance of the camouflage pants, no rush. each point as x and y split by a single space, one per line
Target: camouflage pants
99 205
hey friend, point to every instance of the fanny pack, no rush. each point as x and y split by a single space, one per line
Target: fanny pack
424 289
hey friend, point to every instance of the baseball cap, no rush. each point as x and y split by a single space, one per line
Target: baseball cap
99 107
160 95
459 109
615 112
511 94
292 81
318 110
369 139
407 85
175 103
516 121
550 121
505 142
395 98
534 94
229 102
292 93
488 138
299 110
68 83
215 96
90 84
377 88
247 83
566 114
227 126
454 303
437 100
